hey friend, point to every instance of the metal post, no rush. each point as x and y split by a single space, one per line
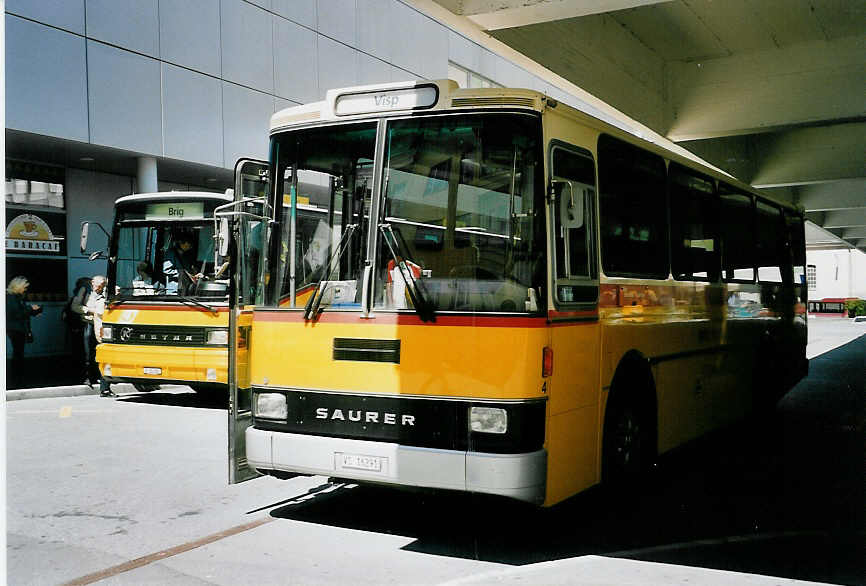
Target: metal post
147 178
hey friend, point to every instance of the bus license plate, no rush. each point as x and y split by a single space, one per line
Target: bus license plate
359 462
152 370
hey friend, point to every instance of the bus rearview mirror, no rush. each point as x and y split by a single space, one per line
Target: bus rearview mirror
85 228
223 236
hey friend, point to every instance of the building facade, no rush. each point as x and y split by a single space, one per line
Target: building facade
110 97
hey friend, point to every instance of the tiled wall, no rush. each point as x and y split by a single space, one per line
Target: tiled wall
197 80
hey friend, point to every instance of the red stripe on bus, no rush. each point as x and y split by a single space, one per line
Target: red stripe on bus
341 317
123 306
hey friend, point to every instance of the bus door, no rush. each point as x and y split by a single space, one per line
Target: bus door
573 404
243 227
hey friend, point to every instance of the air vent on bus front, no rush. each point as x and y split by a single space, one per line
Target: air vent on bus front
493 101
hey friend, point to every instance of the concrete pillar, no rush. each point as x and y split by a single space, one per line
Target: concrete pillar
147 179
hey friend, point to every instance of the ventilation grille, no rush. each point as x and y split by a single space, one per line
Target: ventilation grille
364 350
493 101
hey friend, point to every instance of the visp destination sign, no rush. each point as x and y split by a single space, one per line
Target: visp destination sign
413 98
185 210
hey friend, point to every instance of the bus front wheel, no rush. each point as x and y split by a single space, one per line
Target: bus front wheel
628 449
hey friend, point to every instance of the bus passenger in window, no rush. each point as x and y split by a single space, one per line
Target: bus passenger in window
144 284
177 268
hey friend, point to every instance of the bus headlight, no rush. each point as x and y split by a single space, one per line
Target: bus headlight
270 406
488 419
217 337
106 333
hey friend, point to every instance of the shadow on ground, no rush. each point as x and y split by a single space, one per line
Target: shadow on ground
207 400
783 496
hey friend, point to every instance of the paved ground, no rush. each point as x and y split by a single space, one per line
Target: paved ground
138 484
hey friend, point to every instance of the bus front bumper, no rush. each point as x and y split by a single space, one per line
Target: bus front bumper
517 476
163 364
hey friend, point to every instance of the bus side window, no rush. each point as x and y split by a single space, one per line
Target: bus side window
694 225
573 180
738 235
771 239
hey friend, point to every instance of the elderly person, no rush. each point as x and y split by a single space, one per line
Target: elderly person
18 313
93 312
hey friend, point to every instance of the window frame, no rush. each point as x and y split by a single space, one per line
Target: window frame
752 227
589 214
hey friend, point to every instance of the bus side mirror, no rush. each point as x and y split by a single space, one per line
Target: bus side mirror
570 204
223 236
85 228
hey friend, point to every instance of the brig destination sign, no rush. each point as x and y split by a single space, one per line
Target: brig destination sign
184 210
413 98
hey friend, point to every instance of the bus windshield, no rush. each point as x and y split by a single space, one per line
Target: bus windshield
463 214
168 259
460 221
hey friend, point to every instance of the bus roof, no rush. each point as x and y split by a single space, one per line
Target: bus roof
175 196
400 98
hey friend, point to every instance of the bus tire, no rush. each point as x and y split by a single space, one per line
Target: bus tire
629 440
144 388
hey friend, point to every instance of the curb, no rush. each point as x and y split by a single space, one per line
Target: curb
51 392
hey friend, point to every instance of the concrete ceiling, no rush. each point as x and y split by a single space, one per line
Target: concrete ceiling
771 91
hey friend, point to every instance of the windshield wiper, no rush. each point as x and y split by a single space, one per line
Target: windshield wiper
311 309
425 310
192 301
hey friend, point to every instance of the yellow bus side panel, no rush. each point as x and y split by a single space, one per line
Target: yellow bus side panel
192 316
435 360
571 453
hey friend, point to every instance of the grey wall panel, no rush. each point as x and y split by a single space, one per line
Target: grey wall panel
266 4
373 30
300 11
510 75
336 19
246 120
131 24
430 47
247 45
338 65
463 52
295 61
401 45
398 74
281 104
124 91
192 116
189 34
65 14
90 196
487 64
372 70
46 77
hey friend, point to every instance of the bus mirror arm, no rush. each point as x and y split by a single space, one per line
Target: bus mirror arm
85 230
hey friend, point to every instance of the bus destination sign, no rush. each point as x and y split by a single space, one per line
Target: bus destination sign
412 98
184 210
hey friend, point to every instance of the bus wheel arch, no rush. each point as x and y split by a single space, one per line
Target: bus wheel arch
630 430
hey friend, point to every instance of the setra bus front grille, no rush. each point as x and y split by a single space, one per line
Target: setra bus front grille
158 335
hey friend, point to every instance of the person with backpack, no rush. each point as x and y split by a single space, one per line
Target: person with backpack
73 315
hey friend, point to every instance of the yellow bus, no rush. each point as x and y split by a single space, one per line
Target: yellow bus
166 318
486 290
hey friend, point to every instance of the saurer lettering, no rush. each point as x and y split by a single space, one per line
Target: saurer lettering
365 416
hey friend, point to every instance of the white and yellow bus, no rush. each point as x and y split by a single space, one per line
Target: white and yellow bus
166 319
486 290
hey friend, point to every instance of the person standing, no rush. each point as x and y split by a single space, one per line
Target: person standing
18 313
95 308
77 327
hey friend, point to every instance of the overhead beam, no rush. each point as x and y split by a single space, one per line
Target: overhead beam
845 218
809 155
849 233
499 14
834 195
800 84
